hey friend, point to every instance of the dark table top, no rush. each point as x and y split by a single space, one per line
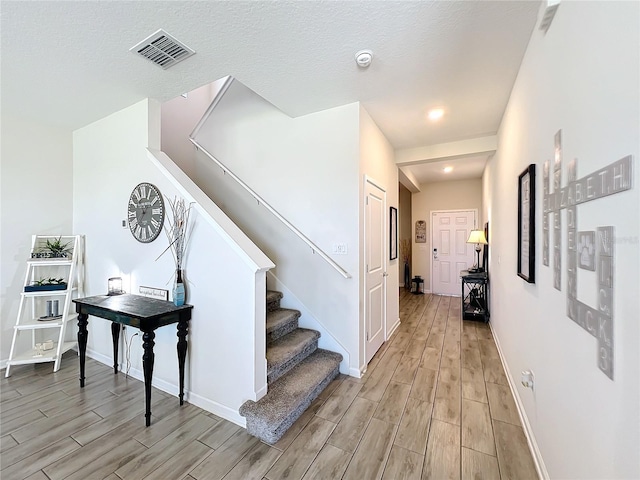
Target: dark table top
474 275
134 310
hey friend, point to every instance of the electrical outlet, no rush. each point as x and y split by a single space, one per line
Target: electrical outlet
527 379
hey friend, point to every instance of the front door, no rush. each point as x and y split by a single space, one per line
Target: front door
450 253
375 268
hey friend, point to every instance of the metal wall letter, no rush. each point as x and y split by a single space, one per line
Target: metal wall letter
591 251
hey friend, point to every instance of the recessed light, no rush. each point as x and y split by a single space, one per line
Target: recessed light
435 114
447 169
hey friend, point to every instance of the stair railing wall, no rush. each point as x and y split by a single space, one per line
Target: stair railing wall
256 261
314 248
223 87
249 156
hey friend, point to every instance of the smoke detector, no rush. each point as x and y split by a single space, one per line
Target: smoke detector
162 49
364 58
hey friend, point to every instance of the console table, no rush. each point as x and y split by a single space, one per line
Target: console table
475 291
146 314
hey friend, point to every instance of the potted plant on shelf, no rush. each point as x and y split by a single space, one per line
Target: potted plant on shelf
53 249
46 284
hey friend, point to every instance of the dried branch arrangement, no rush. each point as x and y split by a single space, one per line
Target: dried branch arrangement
405 250
177 229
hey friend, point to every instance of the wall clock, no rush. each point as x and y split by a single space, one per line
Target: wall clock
145 212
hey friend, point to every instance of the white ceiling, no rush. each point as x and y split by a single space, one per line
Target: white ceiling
68 63
463 168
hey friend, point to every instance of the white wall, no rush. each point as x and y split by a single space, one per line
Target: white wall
36 197
110 159
452 195
306 168
179 116
377 162
310 169
581 77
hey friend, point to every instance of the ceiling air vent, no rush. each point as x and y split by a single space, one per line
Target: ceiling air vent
162 49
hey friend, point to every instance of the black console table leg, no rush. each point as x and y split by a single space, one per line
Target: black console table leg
183 330
147 366
83 320
115 334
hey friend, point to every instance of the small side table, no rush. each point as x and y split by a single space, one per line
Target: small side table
144 313
475 295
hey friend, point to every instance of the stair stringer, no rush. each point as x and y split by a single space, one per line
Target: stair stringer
308 320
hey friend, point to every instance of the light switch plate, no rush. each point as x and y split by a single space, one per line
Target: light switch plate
340 249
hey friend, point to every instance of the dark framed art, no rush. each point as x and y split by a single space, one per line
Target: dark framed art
526 224
393 233
485 249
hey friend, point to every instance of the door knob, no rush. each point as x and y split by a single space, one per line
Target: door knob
435 253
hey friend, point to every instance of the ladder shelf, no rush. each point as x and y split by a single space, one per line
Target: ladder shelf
46 313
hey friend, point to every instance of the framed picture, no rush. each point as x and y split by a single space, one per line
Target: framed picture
526 224
393 233
421 231
485 249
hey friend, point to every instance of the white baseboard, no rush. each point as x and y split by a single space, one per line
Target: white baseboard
393 328
160 384
3 364
172 389
528 431
217 409
261 393
356 372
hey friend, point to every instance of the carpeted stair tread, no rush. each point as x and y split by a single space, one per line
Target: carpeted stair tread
273 300
289 396
280 322
285 352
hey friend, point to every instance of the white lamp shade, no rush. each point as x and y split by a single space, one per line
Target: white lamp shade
477 236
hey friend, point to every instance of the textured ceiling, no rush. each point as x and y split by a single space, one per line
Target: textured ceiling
67 62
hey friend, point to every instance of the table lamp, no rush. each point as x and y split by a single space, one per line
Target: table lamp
477 237
115 286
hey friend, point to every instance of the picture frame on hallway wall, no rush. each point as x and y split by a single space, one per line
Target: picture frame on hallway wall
393 233
485 249
526 224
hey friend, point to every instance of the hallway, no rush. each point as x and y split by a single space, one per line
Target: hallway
459 411
434 404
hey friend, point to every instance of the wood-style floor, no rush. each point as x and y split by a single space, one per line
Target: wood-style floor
434 404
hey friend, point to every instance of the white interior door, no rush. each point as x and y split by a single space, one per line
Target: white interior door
450 253
375 265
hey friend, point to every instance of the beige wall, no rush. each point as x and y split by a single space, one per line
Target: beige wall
179 117
404 226
455 195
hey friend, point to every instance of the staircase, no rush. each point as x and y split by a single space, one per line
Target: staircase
297 371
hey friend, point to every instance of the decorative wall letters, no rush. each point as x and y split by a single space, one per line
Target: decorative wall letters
587 250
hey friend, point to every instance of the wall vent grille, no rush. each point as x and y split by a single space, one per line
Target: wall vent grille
162 49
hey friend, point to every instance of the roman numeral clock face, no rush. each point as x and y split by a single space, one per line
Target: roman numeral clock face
145 213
